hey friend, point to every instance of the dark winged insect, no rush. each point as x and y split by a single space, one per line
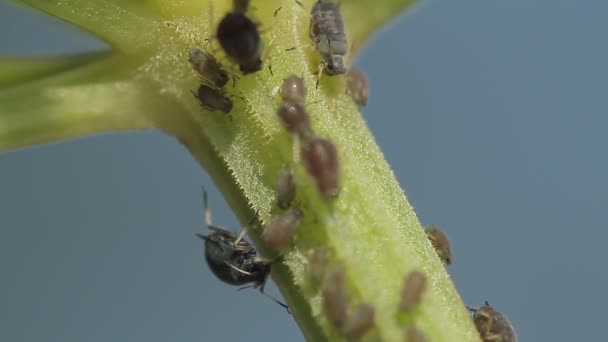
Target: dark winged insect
279 232
359 322
239 37
356 86
492 325
293 89
440 242
326 30
286 189
320 159
335 298
213 99
414 285
234 260
295 119
207 66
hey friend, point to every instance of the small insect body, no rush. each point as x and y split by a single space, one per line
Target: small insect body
279 232
213 99
414 285
440 242
356 86
233 260
412 334
208 67
286 189
326 30
295 118
320 159
240 39
492 325
335 297
293 89
359 322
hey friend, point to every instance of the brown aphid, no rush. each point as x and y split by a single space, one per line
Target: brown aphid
359 322
279 232
286 189
320 159
492 325
441 243
414 285
293 89
207 66
317 263
356 86
295 119
213 99
335 298
412 334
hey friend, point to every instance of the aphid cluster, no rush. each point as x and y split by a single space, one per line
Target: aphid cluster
492 325
440 242
210 93
232 259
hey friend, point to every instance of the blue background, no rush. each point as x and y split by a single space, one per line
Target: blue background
492 113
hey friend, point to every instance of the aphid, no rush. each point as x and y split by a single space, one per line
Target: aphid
412 334
414 285
293 89
207 66
279 232
335 298
240 38
356 86
359 322
320 159
317 263
286 189
213 99
440 242
327 32
295 119
234 260
492 325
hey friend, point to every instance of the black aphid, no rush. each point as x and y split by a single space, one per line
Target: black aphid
234 260
493 325
213 99
356 86
327 32
207 66
240 38
320 159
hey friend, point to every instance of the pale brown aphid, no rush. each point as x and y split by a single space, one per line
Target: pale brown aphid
335 298
295 119
320 159
412 334
293 89
207 66
286 189
414 285
492 325
359 322
280 231
317 263
441 243
356 86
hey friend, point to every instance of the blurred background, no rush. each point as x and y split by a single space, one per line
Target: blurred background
492 113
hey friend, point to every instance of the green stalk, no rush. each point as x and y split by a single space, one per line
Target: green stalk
370 229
